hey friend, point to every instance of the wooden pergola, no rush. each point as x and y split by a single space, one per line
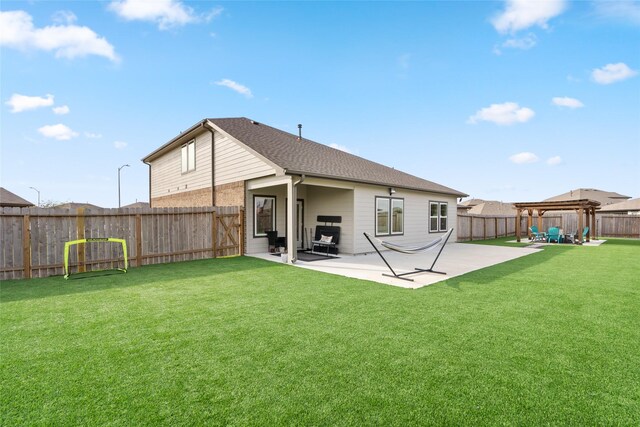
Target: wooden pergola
585 208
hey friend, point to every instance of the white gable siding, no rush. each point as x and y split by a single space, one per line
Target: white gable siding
416 216
234 163
166 171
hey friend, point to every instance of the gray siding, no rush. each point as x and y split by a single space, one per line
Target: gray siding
416 211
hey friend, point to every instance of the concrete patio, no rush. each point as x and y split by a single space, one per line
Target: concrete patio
456 259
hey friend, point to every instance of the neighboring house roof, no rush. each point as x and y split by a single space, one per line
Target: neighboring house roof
72 205
9 199
631 205
137 205
491 207
604 197
305 157
472 202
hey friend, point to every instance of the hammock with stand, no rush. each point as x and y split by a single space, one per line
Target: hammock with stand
440 241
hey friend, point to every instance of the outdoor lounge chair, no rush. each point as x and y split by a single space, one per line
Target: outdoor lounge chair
554 235
537 236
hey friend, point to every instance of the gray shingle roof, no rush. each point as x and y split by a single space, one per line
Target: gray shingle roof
9 199
314 159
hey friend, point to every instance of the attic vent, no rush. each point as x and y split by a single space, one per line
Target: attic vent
254 122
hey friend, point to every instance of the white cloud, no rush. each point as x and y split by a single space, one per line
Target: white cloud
524 157
120 145
612 73
166 13
20 103
555 160
59 132
521 14
620 10
66 41
92 135
235 87
64 17
523 43
340 147
565 101
63 109
503 114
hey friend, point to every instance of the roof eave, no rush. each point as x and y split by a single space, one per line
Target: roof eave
362 181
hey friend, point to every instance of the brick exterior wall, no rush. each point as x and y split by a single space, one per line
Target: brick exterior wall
231 194
194 198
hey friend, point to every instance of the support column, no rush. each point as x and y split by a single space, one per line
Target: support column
580 224
292 197
593 222
518 215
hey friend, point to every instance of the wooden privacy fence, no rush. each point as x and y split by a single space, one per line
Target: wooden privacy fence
33 239
480 227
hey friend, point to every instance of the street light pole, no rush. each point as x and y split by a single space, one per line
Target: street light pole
123 166
34 188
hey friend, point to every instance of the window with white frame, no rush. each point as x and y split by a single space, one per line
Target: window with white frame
438 216
188 152
264 215
389 216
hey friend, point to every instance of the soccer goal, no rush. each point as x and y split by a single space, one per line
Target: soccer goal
70 243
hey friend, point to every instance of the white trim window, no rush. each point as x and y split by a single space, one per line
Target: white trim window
389 216
264 215
438 216
188 152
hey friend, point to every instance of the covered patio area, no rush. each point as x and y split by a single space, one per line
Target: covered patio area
585 208
456 259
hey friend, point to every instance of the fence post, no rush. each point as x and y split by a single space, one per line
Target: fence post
471 227
26 246
81 247
241 231
138 240
214 233
484 228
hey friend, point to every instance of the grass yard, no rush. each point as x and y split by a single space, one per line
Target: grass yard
552 338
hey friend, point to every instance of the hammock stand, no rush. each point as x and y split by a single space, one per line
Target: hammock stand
442 241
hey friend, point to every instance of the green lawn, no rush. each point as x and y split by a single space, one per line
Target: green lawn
552 338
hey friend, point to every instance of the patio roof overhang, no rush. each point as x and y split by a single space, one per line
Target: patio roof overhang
585 208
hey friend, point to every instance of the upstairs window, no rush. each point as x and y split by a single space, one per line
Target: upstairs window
189 156
438 216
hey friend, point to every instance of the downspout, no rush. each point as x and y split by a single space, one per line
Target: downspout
213 161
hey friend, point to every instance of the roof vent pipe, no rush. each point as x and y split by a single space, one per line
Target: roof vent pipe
299 132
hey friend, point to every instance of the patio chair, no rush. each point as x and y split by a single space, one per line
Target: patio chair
570 238
584 233
554 235
537 236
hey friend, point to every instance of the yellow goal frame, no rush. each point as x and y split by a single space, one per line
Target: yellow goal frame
70 243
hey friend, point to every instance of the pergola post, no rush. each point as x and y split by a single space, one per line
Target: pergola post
593 220
540 213
580 224
518 231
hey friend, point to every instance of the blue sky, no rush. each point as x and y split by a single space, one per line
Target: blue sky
511 101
